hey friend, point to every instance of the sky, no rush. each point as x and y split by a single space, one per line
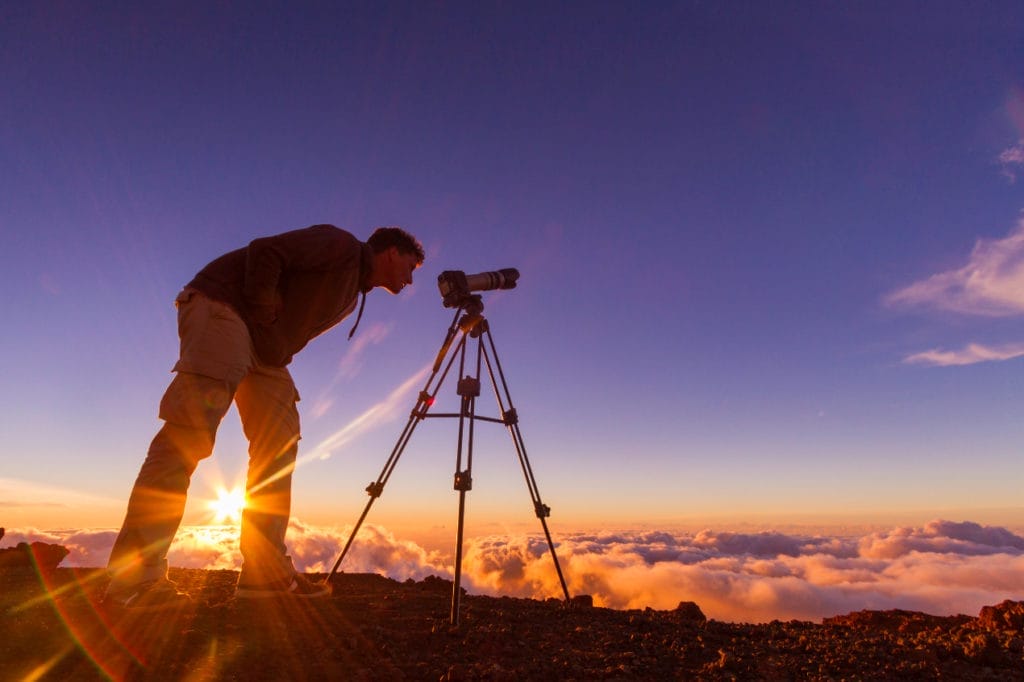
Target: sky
772 279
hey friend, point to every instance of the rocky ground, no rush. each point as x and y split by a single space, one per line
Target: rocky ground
373 628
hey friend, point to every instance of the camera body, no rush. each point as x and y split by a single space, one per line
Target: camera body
455 285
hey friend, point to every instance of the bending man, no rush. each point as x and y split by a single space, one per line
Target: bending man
241 320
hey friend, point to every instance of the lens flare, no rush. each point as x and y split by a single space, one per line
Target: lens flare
228 506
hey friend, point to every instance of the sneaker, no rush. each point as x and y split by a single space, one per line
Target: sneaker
152 595
295 586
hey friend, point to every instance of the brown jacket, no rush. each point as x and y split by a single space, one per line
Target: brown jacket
290 287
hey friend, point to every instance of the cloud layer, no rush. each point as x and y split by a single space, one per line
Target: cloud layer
944 567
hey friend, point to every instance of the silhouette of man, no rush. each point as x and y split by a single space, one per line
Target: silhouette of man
241 320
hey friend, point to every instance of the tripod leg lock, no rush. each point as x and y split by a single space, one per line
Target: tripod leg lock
542 510
469 387
375 489
425 402
463 481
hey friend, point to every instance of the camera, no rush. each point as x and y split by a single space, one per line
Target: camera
455 285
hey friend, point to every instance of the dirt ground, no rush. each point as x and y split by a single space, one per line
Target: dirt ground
373 628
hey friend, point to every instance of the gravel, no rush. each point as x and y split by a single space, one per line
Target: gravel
374 628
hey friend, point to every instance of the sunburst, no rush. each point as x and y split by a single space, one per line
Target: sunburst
228 506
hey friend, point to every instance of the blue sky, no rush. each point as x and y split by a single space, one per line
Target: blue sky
735 224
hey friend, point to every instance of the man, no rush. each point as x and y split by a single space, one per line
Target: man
241 320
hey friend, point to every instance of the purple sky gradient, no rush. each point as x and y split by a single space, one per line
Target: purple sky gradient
771 258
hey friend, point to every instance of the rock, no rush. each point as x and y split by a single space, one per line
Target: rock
582 601
39 554
1008 615
433 583
689 611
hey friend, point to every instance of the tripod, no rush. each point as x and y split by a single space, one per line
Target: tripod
472 324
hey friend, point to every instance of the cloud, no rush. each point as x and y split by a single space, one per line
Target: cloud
1010 158
313 549
941 537
376 414
944 567
990 284
85 547
970 354
350 364
374 550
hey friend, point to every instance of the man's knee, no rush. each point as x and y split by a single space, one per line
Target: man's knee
176 445
196 401
173 457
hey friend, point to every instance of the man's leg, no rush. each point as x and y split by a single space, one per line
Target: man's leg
215 355
193 406
266 404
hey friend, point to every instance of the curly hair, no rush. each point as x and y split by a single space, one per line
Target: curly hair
384 238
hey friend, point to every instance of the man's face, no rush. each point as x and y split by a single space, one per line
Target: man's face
396 269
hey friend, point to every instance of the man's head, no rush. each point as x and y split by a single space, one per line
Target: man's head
396 253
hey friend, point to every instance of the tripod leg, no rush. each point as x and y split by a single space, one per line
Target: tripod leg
511 420
376 488
419 413
469 390
457 585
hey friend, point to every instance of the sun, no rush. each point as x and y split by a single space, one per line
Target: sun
228 506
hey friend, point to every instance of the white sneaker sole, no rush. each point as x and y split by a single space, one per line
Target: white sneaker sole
290 593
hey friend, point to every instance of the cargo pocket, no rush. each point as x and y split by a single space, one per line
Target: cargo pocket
196 401
214 340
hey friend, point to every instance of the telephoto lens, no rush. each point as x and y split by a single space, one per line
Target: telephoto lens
496 279
455 285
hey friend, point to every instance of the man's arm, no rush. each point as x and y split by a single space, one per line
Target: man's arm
310 249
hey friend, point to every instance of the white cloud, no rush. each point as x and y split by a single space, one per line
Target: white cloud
313 549
375 415
942 537
350 364
374 550
943 567
85 547
990 284
970 354
1010 158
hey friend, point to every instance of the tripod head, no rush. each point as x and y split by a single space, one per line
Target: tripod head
472 322
472 305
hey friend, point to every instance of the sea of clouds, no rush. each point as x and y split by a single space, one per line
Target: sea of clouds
942 568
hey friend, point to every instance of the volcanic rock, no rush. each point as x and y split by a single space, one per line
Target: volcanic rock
689 611
1008 615
41 555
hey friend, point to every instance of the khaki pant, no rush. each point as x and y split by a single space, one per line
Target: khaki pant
217 365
